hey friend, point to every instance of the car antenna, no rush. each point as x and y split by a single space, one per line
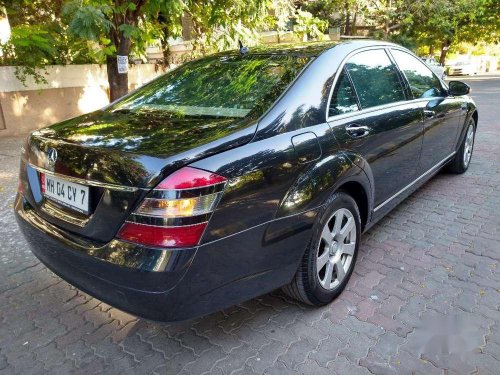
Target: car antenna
243 50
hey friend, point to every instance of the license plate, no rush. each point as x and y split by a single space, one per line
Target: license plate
69 194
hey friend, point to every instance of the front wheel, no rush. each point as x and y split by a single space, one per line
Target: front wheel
329 259
460 163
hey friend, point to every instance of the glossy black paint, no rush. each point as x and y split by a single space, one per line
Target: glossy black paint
442 118
281 169
392 147
458 88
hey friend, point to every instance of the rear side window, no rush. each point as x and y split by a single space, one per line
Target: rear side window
423 83
375 78
343 97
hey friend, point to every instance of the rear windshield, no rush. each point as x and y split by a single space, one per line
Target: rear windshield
230 86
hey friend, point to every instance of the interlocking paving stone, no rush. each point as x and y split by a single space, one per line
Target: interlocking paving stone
435 256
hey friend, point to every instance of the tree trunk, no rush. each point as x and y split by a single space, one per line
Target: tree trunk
353 24
347 27
118 83
431 50
166 55
445 46
165 48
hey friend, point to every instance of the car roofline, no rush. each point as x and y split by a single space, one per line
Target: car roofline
309 49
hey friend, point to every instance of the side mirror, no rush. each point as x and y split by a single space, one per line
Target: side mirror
458 88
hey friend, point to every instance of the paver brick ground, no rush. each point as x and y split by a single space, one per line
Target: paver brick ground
424 297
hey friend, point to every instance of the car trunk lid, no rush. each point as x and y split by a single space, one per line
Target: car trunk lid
119 156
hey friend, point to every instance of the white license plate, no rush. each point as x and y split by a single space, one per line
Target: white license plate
69 194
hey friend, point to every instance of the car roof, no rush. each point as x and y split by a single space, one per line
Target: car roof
310 49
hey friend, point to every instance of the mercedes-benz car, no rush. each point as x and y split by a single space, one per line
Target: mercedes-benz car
458 68
239 173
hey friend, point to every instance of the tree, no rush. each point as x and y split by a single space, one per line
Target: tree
117 26
123 26
446 22
338 13
306 25
39 37
84 31
219 24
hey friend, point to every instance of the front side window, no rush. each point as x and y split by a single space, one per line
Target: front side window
228 86
375 78
343 97
423 83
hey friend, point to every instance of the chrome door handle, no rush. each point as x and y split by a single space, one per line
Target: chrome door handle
428 113
357 131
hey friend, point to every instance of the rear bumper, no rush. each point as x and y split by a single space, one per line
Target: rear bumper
172 285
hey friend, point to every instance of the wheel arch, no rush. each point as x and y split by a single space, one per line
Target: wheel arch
358 192
320 181
473 113
475 116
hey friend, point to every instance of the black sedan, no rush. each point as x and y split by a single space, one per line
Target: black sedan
239 173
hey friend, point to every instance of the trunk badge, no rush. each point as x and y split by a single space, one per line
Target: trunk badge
51 156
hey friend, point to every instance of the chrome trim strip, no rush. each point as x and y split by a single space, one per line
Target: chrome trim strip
50 209
415 181
329 118
192 188
166 227
361 111
364 111
85 182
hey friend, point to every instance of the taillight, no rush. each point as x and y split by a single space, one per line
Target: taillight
42 182
176 212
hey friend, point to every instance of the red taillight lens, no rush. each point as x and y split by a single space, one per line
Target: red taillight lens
188 178
42 182
176 212
157 236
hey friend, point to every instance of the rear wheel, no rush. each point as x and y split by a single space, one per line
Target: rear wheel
460 163
329 259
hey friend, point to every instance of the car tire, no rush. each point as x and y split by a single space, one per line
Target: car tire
460 163
334 247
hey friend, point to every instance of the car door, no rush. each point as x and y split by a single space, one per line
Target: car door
371 117
442 112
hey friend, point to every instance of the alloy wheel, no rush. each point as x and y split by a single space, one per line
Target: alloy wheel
469 145
336 249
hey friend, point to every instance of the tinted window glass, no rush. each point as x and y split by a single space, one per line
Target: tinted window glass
423 83
375 78
229 86
343 97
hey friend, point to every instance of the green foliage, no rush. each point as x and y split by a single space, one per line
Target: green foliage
88 31
88 21
327 10
278 15
39 37
436 23
123 27
306 25
34 44
446 23
219 24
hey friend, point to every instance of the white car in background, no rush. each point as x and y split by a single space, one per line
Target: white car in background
459 68
435 67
